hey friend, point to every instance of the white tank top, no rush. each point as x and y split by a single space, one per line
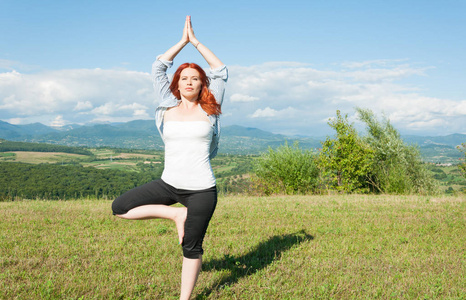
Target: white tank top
187 164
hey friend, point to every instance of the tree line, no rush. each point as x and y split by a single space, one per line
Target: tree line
49 181
40 147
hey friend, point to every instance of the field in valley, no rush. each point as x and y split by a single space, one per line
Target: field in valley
231 171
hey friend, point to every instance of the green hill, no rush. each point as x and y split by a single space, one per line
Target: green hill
142 134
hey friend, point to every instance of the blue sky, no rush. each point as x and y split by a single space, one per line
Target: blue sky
292 63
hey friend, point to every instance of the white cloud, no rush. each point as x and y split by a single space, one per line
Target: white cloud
137 110
315 95
268 112
132 107
58 122
242 98
105 109
419 125
285 97
15 121
264 113
79 96
83 105
140 114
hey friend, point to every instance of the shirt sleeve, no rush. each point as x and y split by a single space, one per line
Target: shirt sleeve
218 79
160 78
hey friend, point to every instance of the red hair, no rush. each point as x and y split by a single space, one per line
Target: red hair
206 99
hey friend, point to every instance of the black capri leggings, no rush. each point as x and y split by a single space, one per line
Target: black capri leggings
201 205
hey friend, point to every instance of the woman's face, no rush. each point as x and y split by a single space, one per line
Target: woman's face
190 84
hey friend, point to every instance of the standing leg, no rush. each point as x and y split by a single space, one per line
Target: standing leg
189 275
201 206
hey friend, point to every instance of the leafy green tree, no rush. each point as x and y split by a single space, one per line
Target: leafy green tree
397 168
50 181
345 160
462 164
288 169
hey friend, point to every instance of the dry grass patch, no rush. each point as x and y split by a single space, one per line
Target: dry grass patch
45 157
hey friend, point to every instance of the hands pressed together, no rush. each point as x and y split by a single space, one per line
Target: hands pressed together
189 37
188 33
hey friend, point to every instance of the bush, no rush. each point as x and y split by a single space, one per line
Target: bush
462 165
345 161
286 170
397 168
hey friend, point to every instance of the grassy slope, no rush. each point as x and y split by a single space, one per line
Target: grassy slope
300 247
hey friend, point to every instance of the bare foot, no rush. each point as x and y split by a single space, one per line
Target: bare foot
180 219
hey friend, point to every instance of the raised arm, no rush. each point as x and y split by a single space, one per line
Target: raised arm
171 53
208 55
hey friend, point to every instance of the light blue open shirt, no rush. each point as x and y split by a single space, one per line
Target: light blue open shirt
218 78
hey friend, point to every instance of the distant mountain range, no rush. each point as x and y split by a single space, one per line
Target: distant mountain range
142 134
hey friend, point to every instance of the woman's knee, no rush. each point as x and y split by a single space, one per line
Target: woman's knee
192 252
121 216
117 207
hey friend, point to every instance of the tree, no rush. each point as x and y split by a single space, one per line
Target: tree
287 169
397 168
345 161
462 164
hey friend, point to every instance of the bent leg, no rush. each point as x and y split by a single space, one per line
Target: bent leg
176 214
155 211
150 201
152 193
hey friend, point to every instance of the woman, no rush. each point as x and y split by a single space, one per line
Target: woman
188 121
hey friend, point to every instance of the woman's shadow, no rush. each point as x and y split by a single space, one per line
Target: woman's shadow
257 259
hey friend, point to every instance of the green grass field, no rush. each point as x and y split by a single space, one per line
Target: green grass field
290 247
